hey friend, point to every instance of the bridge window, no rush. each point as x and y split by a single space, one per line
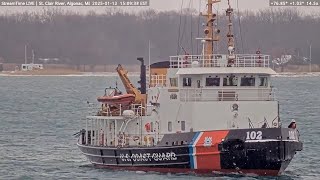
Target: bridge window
174 82
170 126
187 82
212 81
183 125
263 82
247 81
230 81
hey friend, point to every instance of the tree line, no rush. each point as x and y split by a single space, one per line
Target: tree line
116 36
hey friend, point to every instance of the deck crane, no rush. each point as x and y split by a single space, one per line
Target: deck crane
130 88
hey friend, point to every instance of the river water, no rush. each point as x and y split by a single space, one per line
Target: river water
39 114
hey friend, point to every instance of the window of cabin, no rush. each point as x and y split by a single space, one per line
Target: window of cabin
174 82
263 82
230 81
186 82
169 126
183 125
212 81
247 81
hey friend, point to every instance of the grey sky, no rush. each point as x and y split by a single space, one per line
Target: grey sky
176 4
163 5
243 4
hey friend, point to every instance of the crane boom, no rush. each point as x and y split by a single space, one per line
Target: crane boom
130 88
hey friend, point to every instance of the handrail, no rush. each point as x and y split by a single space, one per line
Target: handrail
226 94
105 110
265 123
277 117
250 124
219 60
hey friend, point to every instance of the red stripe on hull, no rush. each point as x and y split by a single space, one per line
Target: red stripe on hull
207 153
259 172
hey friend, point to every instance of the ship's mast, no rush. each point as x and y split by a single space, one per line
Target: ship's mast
231 56
211 33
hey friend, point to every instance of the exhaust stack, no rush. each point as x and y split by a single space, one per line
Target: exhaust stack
143 82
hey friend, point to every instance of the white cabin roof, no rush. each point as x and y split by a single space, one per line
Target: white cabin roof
226 70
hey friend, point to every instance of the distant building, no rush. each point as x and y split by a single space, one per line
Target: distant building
30 67
52 60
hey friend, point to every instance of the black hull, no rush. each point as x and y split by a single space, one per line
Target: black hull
231 153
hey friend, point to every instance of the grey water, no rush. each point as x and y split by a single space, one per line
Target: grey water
39 115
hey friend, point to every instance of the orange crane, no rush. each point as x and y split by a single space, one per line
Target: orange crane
130 88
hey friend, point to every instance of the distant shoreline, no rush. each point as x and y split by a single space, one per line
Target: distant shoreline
30 73
105 74
133 70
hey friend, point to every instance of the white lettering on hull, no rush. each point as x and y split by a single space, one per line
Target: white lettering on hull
148 157
254 135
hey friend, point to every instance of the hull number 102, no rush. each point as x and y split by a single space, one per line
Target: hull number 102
254 135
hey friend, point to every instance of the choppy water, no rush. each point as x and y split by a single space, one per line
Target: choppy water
38 116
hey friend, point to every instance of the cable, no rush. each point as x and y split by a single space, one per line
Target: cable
191 23
239 21
184 28
198 27
178 48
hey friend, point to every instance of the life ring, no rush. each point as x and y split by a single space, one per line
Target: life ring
258 52
147 126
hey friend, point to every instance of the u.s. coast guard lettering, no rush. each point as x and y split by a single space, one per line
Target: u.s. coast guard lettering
169 156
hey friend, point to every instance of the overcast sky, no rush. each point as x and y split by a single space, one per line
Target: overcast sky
163 5
176 4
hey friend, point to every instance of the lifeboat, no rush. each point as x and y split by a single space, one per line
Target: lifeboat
125 99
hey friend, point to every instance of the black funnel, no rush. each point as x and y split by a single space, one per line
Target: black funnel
143 82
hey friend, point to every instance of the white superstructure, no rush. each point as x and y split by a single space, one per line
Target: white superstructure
200 98
193 97
194 93
198 114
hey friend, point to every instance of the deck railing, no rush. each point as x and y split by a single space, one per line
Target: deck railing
226 94
216 60
106 110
